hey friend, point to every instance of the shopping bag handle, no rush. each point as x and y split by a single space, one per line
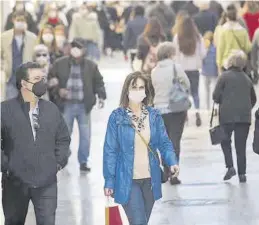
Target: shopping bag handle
108 201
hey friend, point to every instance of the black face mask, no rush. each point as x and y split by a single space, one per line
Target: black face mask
39 88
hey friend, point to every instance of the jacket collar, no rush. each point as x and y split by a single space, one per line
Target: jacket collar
165 62
72 61
25 105
124 118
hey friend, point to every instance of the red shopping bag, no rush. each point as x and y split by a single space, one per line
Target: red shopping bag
112 215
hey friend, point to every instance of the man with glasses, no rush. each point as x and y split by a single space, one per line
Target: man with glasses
34 147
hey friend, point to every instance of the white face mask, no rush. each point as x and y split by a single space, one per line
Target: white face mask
76 52
60 40
137 96
47 38
20 25
52 14
42 60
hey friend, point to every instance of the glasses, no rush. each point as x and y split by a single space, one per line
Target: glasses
39 55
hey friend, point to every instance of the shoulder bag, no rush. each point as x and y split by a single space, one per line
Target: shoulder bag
179 96
217 133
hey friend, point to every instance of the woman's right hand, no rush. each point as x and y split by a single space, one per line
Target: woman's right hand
108 192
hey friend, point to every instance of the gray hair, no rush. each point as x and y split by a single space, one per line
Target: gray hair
41 48
165 51
237 58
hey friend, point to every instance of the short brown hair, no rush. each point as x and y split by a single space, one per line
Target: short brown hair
132 79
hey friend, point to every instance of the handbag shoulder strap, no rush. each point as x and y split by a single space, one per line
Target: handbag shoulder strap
212 114
144 141
238 42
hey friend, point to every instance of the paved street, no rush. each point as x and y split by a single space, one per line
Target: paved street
202 199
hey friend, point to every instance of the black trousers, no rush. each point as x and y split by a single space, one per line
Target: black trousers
241 131
174 123
132 58
16 198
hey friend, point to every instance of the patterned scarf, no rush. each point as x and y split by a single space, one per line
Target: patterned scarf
140 121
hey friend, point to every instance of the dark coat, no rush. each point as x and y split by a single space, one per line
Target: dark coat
216 8
28 161
191 8
92 80
164 14
205 21
134 29
30 22
256 133
236 97
177 6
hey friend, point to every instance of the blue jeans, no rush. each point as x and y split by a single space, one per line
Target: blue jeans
194 77
77 111
92 51
141 202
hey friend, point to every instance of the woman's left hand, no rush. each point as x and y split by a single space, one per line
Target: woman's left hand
175 170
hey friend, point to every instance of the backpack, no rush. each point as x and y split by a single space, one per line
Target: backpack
179 95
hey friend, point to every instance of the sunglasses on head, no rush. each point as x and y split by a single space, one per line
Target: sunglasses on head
39 55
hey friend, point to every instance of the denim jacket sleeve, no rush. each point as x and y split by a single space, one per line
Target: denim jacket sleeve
165 145
110 153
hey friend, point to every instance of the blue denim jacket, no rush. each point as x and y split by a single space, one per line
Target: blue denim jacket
118 157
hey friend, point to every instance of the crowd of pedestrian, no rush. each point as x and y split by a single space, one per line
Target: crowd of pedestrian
50 78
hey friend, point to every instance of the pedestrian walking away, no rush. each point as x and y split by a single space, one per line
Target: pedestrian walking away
133 30
34 147
236 97
172 88
130 161
190 51
232 37
148 43
79 81
209 68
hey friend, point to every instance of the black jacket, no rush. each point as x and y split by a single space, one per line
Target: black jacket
236 97
256 133
164 14
134 29
92 80
33 163
191 8
205 21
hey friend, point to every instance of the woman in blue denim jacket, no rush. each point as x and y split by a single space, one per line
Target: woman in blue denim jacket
132 171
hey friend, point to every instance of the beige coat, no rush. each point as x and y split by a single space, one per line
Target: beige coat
86 27
30 40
